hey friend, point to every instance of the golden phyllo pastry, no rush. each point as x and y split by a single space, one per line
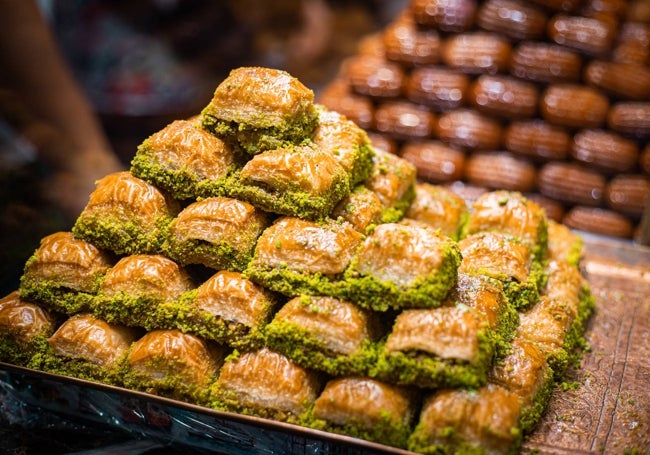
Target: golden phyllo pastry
126 215
481 421
24 327
227 308
402 266
174 364
64 273
365 408
452 345
510 213
302 181
326 334
393 180
266 384
185 160
346 142
259 109
218 232
563 244
507 259
136 285
295 256
88 347
439 208
362 208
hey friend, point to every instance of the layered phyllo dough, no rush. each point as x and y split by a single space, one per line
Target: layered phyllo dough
226 308
393 179
295 256
174 364
219 233
362 208
257 109
88 347
134 287
556 322
295 180
453 345
126 215
24 329
185 160
507 259
265 383
510 213
64 273
325 334
402 266
481 421
367 409
564 245
439 208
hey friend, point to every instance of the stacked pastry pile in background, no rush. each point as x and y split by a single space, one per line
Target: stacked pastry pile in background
263 258
550 98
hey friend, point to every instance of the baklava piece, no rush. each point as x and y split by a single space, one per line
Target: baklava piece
563 244
64 273
302 181
126 215
266 384
453 345
439 208
525 372
346 142
173 364
506 259
185 160
258 109
557 321
482 421
134 288
365 408
24 329
362 208
87 347
402 266
510 213
295 256
219 233
226 308
393 180
325 334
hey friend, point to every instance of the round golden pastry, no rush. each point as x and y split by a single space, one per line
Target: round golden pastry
504 96
545 62
628 194
589 35
437 87
374 76
633 43
477 52
445 15
469 129
468 191
404 120
435 161
383 142
605 150
338 96
599 221
371 44
500 170
407 44
516 19
571 183
566 6
537 139
625 80
555 210
630 118
644 159
574 106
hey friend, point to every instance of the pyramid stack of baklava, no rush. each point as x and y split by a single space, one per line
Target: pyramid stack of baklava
547 97
264 258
